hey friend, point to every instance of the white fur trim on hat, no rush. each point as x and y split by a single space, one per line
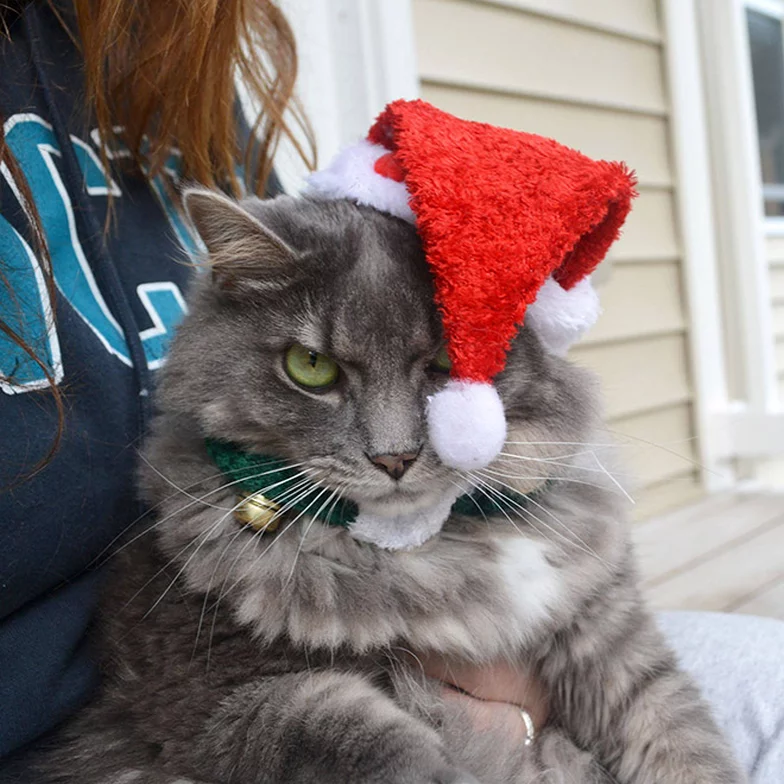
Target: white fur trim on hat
560 317
351 175
467 424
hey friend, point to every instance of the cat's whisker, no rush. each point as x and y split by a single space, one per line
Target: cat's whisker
564 456
205 535
508 458
653 444
473 500
556 462
286 502
305 533
484 490
339 490
489 472
96 560
302 513
205 538
576 541
612 478
223 590
619 445
561 443
182 509
281 499
293 497
147 512
584 545
180 490
500 499
601 469
341 487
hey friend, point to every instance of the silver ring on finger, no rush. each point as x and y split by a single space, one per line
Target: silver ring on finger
530 729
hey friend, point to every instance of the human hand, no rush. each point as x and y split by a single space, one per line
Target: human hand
492 695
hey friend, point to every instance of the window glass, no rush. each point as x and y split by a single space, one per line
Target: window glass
767 66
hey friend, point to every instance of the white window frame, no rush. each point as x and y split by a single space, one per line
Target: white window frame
690 137
774 226
752 426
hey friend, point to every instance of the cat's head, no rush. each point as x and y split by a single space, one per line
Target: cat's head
314 337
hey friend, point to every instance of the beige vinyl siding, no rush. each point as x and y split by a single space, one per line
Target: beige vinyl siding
639 374
778 322
777 284
486 46
650 231
660 312
775 252
627 17
662 455
590 73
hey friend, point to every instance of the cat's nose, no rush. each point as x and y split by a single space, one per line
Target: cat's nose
395 465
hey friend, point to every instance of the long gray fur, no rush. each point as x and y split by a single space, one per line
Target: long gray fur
234 657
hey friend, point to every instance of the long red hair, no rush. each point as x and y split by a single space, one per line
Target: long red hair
164 71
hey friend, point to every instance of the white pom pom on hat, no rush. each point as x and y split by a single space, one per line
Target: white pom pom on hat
560 317
466 424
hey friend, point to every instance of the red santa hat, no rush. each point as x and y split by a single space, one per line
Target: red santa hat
512 225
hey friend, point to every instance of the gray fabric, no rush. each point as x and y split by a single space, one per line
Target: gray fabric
738 662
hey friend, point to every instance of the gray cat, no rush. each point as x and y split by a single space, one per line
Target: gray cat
244 656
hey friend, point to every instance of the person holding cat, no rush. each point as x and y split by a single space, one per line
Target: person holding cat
107 105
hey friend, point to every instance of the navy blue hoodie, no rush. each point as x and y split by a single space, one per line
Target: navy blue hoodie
118 299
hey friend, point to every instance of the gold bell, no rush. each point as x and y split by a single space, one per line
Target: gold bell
258 512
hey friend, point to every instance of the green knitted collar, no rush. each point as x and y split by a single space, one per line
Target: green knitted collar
277 480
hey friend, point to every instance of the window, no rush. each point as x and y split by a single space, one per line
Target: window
767 67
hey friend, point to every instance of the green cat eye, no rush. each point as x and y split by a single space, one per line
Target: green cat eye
311 369
441 362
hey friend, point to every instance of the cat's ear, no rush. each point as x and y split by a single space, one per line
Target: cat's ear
241 249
